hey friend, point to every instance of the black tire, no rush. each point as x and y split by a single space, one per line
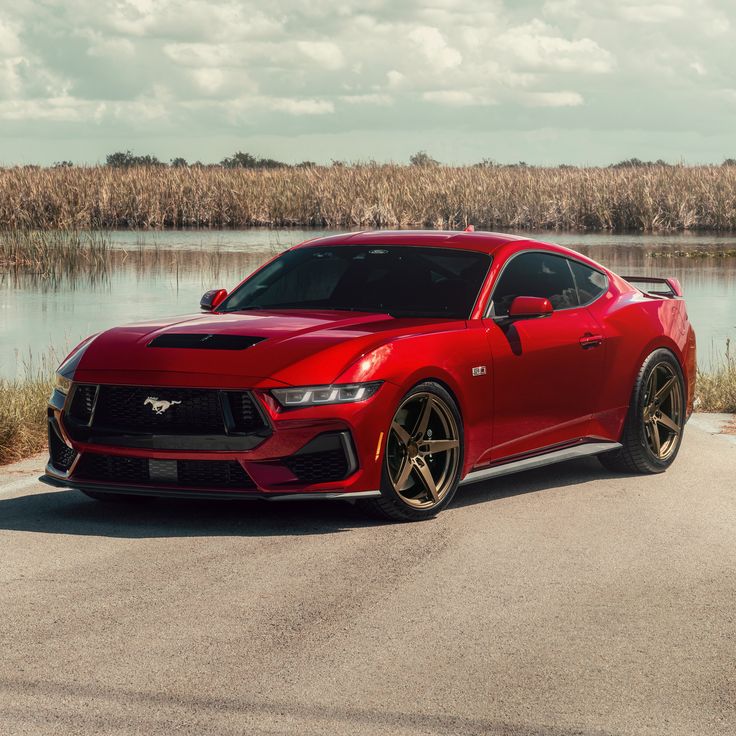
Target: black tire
637 454
129 498
390 505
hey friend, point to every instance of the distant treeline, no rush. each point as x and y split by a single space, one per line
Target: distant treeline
241 160
632 196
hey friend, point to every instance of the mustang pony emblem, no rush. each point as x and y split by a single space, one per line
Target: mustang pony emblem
159 406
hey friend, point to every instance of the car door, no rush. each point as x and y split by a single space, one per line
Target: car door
546 370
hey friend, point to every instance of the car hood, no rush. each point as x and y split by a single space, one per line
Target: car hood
292 348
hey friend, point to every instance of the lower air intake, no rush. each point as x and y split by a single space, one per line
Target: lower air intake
61 455
123 470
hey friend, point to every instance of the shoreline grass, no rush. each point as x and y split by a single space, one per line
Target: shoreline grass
47 252
628 198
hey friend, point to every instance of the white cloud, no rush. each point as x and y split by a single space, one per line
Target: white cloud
113 48
651 12
699 68
455 98
54 109
300 107
368 99
203 54
395 79
569 8
535 46
11 83
435 49
553 99
208 79
325 53
10 43
189 19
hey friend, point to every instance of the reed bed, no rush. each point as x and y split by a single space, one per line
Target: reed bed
48 259
52 252
643 198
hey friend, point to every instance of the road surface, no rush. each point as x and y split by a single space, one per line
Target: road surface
559 601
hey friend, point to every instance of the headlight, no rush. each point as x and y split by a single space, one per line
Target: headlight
62 383
65 372
346 393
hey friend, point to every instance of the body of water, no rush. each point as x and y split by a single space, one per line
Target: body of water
164 274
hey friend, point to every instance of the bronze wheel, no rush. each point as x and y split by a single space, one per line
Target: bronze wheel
423 450
662 411
655 423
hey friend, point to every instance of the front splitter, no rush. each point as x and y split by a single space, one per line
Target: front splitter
202 494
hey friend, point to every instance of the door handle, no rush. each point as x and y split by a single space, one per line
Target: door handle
589 340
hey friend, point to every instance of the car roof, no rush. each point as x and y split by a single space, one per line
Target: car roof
484 242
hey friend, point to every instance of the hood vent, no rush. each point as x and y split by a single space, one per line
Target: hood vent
200 341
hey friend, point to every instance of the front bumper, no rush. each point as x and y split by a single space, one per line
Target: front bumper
286 464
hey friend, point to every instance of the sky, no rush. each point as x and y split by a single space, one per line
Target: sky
543 81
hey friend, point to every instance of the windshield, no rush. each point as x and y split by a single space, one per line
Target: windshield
403 281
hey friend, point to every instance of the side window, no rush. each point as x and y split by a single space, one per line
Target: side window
535 274
591 283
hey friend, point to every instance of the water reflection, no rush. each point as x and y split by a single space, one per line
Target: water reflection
164 274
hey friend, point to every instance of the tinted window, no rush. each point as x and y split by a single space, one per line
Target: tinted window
400 280
590 283
535 274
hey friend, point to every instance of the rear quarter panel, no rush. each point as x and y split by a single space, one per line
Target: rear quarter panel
634 326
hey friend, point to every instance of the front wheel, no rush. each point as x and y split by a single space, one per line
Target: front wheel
423 456
655 422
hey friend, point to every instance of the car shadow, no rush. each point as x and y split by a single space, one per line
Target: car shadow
557 476
70 512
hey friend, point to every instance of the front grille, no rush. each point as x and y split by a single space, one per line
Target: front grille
155 418
158 410
83 402
60 455
318 467
121 470
153 411
244 411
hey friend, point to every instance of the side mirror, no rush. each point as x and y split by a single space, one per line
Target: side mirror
530 306
212 299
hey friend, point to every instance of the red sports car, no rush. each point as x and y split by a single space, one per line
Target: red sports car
383 367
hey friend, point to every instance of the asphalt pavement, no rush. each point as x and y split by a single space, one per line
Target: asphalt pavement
560 601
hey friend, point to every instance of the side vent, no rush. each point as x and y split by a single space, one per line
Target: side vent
199 341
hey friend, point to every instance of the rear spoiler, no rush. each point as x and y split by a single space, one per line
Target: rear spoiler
673 288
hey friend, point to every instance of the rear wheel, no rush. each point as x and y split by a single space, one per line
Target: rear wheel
423 456
656 419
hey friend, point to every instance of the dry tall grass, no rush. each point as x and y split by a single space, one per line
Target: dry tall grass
716 389
23 416
630 198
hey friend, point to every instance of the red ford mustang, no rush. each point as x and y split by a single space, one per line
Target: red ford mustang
384 367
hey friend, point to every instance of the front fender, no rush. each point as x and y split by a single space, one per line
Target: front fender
447 358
